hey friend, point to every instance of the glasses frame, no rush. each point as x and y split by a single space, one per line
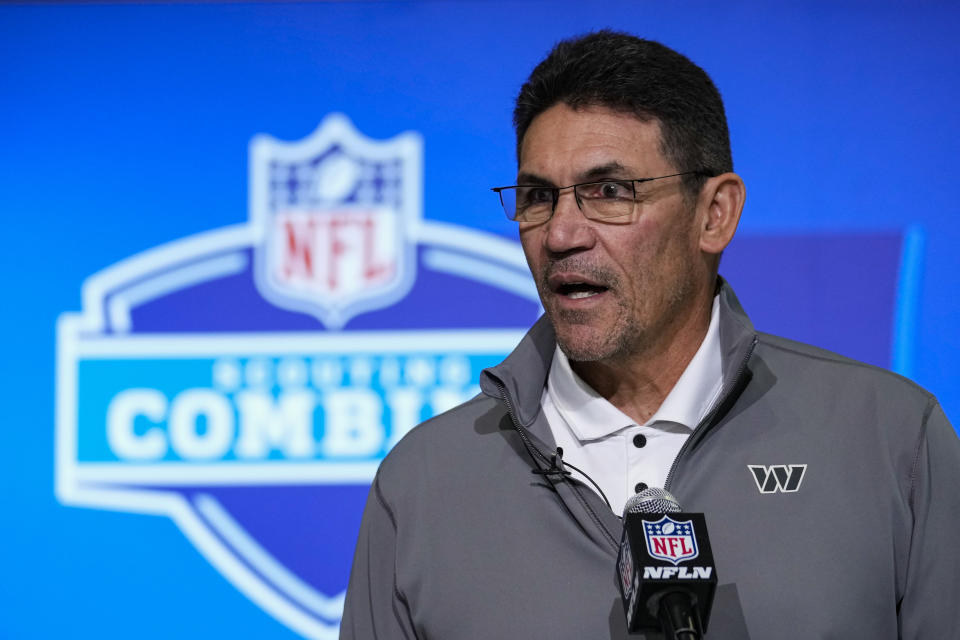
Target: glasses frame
576 195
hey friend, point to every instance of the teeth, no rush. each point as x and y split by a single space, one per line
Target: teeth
582 294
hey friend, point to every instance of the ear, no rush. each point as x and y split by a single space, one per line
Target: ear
721 200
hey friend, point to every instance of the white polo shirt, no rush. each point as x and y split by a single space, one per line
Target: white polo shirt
608 445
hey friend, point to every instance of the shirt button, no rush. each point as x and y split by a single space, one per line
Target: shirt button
640 487
639 440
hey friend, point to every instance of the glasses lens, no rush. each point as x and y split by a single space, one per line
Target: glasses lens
527 204
607 199
508 198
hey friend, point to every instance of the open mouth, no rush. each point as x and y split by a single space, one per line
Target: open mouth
578 290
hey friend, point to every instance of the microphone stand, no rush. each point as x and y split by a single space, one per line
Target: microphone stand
679 617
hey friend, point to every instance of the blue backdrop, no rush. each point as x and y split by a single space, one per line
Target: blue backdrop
125 127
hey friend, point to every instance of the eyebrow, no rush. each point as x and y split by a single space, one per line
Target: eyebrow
609 170
524 178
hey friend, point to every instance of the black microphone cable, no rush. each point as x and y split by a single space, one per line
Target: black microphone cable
557 467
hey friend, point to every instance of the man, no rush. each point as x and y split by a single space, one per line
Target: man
645 371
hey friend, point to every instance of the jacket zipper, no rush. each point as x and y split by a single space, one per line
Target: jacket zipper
516 425
713 413
530 446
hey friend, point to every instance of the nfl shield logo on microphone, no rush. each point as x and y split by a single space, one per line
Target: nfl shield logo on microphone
671 540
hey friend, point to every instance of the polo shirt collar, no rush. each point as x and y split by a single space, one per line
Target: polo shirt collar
591 416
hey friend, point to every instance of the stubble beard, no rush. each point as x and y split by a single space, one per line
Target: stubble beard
585 336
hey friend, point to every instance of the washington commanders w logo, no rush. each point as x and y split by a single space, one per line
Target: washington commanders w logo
778 477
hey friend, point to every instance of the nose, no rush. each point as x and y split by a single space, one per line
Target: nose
568 230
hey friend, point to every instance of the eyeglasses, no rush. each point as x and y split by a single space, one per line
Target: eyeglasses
601 200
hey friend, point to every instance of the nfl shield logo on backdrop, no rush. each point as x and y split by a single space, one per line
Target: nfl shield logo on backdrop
336 212
247 381
670 540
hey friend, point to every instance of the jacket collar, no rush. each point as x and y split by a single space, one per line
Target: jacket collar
523 373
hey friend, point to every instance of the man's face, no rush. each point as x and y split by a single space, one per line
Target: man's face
611 289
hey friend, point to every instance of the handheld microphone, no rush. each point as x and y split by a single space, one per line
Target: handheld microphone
665 565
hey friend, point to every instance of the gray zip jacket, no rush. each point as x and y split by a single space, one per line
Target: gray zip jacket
461 540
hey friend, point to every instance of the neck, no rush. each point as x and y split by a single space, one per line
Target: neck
638 382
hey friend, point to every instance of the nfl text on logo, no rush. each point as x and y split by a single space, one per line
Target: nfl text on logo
246 381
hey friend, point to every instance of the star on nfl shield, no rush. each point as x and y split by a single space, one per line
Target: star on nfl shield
670 540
